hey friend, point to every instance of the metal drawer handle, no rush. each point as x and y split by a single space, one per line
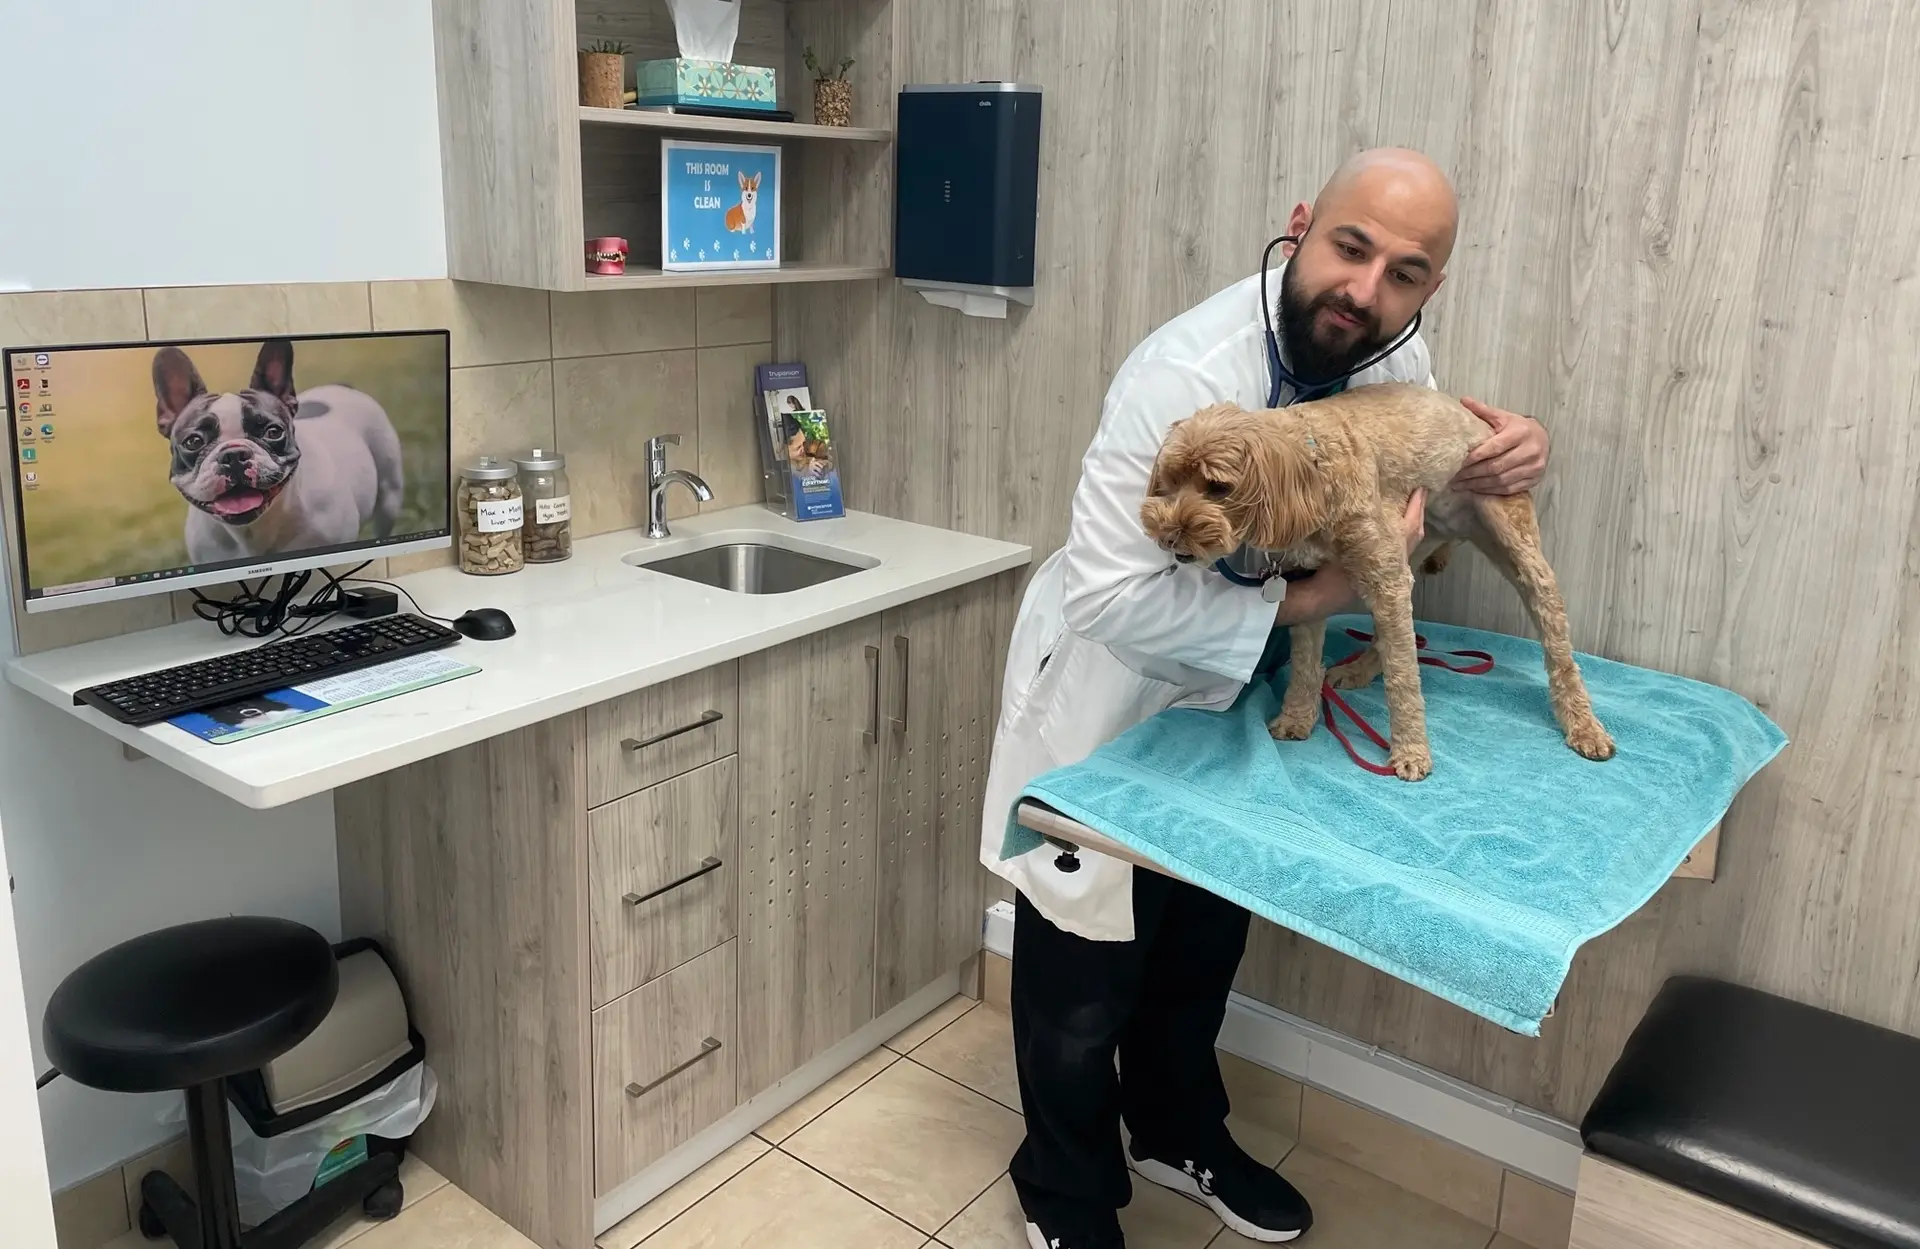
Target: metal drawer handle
872 735
707 864
641 743
708 1046
900 645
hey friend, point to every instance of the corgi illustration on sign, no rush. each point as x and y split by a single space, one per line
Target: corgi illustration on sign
740 216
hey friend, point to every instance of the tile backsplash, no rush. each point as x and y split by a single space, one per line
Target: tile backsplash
593 374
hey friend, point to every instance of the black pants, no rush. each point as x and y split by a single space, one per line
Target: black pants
1159 1000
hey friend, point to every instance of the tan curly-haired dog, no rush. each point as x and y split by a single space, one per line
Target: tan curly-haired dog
1328 482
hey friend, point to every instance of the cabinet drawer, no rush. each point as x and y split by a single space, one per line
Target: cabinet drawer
649 735
663 1066
661 874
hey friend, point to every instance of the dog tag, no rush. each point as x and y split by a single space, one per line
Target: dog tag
1274 589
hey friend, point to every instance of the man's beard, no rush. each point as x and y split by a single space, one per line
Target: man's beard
1309 361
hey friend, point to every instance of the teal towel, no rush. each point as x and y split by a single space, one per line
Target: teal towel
1476 884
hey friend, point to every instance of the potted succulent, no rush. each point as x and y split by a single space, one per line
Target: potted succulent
832 93
603 74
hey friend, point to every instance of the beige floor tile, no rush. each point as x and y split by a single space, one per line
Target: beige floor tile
605 410
420 1181
977 1050
447 1219
735 314
1534 1214
822 1099
1266 1109
998 981
502 408
92 1212
913 1142
49 318
780 1202
244 311
669 1205
606 323
1158 1219
1413 1160
927 1025
729 436
992 1220
1353 1209
486 324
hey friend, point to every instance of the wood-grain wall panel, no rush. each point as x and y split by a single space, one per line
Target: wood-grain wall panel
1686 244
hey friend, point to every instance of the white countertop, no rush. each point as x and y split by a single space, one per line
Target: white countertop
589 629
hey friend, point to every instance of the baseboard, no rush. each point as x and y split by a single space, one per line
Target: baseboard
722 1135
1495 1127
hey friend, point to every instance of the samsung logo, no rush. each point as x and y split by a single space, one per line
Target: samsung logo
261 571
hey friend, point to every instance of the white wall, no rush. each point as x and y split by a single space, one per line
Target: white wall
26 1210
193 142
201 142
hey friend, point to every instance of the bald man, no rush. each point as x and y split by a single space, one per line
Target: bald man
1112 630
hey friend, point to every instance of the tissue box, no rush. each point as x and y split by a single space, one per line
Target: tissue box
683 80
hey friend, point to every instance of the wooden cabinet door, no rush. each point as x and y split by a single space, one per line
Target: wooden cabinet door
940 697
809 767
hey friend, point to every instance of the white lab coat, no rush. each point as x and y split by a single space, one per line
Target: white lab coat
1112 629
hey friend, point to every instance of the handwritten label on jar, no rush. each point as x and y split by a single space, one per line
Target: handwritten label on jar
553 511
497 516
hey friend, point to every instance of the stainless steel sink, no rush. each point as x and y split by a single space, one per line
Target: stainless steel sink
752 568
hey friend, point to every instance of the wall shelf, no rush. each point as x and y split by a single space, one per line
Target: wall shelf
740 126
530 174
799 271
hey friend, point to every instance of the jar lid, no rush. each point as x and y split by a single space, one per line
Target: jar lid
540 460
486 468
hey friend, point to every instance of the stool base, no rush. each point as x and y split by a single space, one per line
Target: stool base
213 1220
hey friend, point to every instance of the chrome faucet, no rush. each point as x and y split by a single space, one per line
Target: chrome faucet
659 477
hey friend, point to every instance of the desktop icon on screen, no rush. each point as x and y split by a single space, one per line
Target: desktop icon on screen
28 455
42 359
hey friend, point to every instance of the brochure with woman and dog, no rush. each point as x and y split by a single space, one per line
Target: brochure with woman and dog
796 446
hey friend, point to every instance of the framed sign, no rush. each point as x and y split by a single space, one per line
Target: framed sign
719 206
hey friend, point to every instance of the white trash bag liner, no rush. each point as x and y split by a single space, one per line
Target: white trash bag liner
271 1173
706 29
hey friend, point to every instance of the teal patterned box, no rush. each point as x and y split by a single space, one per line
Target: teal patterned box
683 80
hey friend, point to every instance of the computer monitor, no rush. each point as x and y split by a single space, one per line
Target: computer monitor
142 468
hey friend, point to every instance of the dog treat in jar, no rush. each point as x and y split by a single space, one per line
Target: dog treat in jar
546 527
488 503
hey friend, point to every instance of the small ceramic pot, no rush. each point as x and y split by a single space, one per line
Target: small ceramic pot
602 79
832 102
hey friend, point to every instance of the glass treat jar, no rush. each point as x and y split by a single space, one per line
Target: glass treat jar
489 507
546 526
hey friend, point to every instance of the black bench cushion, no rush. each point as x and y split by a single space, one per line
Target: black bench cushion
1804 1118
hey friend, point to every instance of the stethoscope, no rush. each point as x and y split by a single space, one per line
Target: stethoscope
1273 585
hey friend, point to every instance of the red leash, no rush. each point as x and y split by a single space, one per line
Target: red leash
1330 699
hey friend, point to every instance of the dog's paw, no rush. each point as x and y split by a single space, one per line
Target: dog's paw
1411 763
1360 672
1289 727
1591 741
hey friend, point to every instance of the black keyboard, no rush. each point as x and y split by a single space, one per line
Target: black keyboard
155 696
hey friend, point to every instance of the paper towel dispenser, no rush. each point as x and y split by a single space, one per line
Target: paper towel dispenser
967 192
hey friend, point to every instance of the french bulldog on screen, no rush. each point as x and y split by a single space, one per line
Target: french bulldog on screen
269 470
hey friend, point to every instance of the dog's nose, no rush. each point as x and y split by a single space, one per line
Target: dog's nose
1183 557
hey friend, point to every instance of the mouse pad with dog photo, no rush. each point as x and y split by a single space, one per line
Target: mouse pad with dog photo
279 709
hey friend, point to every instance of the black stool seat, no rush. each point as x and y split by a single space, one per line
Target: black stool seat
191 1004
1796 1115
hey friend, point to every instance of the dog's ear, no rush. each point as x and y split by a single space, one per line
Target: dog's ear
1285 498
273 371
743 179
176 383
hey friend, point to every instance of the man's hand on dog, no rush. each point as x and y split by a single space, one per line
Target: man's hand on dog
1512 461
1328 591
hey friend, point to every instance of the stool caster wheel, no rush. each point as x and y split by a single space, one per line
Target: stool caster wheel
150 1225
385 1201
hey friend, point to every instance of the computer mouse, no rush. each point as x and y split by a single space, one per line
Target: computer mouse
485 624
